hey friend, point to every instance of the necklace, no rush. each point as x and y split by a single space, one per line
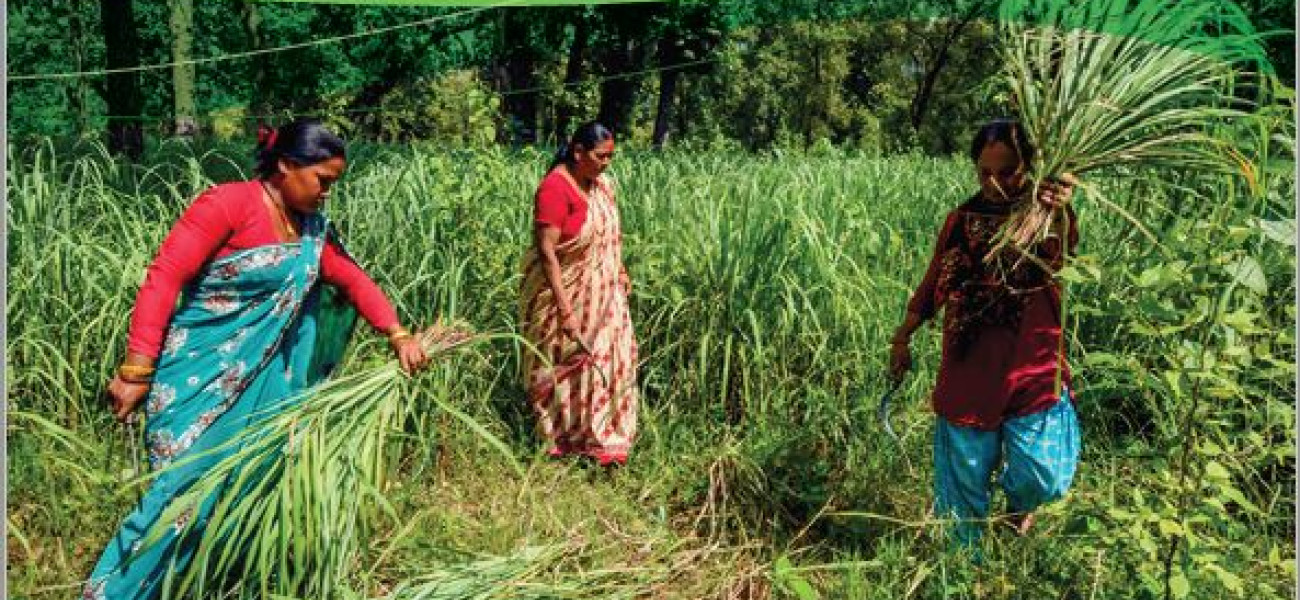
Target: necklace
284 226
585 192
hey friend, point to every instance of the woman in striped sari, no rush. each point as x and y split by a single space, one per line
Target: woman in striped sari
256 324
574 308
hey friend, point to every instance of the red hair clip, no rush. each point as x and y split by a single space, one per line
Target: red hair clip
266 136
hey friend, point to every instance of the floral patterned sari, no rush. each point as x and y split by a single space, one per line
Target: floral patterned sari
253 330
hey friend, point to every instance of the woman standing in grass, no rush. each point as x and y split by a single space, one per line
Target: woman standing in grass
254 326
1002 395
574 307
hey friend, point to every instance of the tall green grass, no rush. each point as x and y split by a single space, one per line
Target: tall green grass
765 290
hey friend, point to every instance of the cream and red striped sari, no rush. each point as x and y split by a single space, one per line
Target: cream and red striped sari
584 404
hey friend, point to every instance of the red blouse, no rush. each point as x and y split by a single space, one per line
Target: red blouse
1007 369
558 204
224 219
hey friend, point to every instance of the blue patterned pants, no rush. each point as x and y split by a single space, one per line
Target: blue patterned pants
1038 455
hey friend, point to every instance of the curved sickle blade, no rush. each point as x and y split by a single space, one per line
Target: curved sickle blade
604 379
882 413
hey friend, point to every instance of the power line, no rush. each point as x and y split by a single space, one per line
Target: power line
627 75
252 53
212 116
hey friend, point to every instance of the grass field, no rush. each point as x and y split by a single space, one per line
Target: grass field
765 290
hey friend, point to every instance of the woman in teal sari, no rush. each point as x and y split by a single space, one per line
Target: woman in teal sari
266 306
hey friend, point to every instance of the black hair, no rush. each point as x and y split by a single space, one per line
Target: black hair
304 141
586 135
1007 131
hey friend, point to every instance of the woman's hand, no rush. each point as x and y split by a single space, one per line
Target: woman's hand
125 396
900 359
409 352
1056 193
572 328
900 351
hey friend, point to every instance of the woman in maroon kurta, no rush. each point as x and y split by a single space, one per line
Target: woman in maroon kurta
1003 389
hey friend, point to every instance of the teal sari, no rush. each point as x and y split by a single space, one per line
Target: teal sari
253 329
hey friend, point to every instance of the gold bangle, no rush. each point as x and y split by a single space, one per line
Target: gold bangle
399 334
140 370
133 378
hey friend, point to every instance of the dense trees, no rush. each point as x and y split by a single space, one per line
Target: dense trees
795 73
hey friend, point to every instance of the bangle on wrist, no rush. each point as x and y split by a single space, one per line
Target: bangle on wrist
135 373
136 378
399 334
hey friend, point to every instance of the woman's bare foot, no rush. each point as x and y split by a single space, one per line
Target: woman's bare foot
1020 522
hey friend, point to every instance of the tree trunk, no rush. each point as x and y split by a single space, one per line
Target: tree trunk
813 107
257 101
682 116
122 90
183 74
78 91
921 102
667 92
618 95
572 74
518 75
523 106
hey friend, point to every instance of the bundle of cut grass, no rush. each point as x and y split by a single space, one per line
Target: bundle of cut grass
487 578
290 508
1100 84
528 573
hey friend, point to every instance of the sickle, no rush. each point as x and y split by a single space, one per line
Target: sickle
591 357
133 440
882 413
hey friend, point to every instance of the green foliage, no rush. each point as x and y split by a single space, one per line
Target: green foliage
755 86
761 371
455 109
851 83
53 107
1099 85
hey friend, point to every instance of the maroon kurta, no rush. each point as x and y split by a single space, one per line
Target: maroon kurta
1002 329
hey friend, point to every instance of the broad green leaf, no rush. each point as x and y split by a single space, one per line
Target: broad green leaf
1100 359
1247 272
1072 274
788 578
1242 321
1150 277
1216 470
1148 545
1179 586
1234 495
1229 580
1170 528
1282 232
